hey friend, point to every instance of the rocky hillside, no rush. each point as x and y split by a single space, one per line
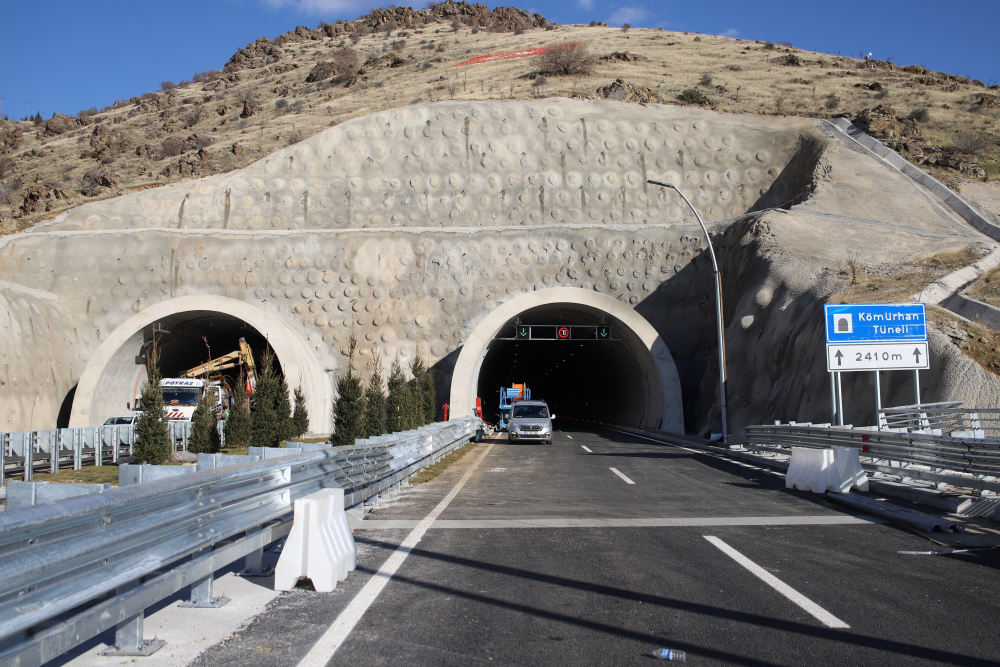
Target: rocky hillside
273 93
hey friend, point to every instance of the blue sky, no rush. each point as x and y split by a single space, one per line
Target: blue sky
66 56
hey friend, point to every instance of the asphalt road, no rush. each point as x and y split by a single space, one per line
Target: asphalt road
614 570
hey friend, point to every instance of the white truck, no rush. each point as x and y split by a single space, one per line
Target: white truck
180 397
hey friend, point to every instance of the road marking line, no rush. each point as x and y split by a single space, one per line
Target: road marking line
322 652
822 615
568 436
617 472
587 449
650 522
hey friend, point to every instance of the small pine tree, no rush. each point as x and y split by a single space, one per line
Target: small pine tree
349 407
204 429
395 404
266 430
300 418
152 440
374 420
430 397
283 412
238 424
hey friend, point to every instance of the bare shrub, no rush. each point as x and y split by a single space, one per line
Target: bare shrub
166 85
921 115
92 111
6 166
347 63
790 60
692 96
567 59
734 68
971 143
207 75
706 80
626 27
398 45
852 258
768 46
832 101
456 25
697 39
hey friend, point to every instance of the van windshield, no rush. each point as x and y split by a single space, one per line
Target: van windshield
180 395
530 411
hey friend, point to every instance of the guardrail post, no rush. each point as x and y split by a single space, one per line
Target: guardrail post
54 451
3 462
77 449
128 634
253 562
29 456
201 590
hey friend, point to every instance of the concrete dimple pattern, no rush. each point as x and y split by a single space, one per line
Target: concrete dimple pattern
476 164
408 226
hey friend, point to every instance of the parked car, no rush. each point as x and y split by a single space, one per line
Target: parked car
530 420
120 421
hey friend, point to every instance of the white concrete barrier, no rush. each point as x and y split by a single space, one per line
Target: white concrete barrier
320 546
819 470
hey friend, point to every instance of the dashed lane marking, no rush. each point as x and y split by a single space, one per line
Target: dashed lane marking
568 436
587 449
822 615
618 472
337 634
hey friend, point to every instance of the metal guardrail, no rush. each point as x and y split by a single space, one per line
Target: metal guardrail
145 542
940 454
942 419
24 453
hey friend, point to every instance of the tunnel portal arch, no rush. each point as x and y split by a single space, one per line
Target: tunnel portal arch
663 409
108 378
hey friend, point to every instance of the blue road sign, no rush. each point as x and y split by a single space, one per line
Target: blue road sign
875 322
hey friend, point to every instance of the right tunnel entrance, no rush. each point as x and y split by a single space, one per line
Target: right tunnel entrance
629 380
580 376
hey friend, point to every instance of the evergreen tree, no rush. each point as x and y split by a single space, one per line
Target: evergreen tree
152 440
266 429
430 397
283 411
349 407
423 388
300 418
238 425
395 404
374 420
204 430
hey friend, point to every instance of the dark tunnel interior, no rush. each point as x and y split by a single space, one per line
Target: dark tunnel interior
580 377
182 341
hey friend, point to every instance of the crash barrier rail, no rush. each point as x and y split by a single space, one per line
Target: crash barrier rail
942 419
23 453
943 459
75 568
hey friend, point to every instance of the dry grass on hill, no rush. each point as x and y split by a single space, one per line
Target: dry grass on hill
229 119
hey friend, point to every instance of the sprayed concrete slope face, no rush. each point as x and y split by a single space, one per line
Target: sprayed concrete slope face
484 164
409 227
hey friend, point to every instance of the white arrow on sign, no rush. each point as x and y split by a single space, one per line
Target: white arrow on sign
876 356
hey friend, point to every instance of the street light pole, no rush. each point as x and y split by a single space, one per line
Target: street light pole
720 325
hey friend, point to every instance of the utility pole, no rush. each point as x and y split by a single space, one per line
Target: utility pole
720 325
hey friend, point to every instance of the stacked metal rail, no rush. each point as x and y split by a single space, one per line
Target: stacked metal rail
940 457
75 568
23 453
948 418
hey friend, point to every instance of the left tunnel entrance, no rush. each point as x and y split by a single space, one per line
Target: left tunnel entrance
109 382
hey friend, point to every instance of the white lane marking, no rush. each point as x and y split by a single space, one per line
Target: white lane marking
618 472
651 522
587 449
568 436
337 634
822 615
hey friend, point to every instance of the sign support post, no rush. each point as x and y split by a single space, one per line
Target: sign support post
840 401
833 397
878 398
916 385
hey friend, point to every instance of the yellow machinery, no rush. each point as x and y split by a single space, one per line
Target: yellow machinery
242 357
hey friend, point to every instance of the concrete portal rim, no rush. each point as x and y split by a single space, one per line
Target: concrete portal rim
663 393
297 361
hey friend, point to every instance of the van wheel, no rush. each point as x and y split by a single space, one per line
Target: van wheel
549 441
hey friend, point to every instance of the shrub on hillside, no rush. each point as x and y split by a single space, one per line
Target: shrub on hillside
692 96
971 143
921 115
566 59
